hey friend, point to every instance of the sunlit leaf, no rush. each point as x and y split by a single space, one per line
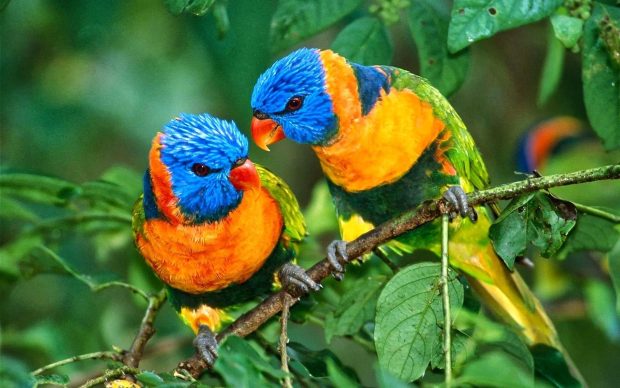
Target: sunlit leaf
356 306
551 365
536 218
295 20
552 69
428 23
473 20
600 300
590 233
365 41
196 7
567 29
410 319
601 80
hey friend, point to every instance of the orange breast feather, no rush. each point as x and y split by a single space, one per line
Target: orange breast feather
209 257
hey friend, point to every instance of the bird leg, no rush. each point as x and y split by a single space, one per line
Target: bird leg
335 249
206 344
293 278
457 198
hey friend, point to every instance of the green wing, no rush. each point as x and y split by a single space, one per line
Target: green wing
294 224
463 152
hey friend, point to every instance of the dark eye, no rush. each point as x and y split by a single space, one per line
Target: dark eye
200 169
294 103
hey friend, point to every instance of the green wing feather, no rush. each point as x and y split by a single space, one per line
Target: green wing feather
463 154
294 223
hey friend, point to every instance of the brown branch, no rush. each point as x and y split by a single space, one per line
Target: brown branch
133 356
284 339
428 211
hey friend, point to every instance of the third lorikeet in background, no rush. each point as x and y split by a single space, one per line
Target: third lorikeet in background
214 226
387 140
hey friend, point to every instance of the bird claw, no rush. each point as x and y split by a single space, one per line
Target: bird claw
456 196
294 277
206 345
334 249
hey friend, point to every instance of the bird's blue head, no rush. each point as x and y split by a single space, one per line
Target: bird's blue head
290 99
198 169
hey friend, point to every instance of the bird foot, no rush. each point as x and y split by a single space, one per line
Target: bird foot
335 249
457 198
294 277
206 345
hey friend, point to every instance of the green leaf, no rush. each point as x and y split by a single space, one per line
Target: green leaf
357 306
53 379
552 69
551 365
600 300
614 272
38 189
314 361
149 378
196 7
601 80
365 41
473 20
536 218
567 29
494 369
428 23
241 365
338 378
13 211
410 318
387 380
590 233
296 20
461 351
222 23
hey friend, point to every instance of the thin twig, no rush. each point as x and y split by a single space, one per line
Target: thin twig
286 383
428 211
447 321
106 355
134 355
598 212
385 259
135 290
110 374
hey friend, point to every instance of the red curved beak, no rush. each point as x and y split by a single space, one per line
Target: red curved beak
245 176
266 132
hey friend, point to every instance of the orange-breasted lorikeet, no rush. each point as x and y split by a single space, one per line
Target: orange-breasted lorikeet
387 140
212 225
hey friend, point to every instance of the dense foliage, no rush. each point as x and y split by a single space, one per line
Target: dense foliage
89 84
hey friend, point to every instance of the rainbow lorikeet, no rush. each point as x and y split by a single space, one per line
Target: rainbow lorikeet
387 140
213 226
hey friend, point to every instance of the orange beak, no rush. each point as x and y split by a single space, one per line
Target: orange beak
245 176
266 132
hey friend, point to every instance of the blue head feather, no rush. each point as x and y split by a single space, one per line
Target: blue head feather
216 143
300 73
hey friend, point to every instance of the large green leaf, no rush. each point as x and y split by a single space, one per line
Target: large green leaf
551 365
494 369
410 319
601 79
38 188
473 20
590 233
552 69
295 20
460 350
365 41
536 218
356 307
428 23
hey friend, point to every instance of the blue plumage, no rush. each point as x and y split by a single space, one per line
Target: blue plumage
203 139
370 82
300 73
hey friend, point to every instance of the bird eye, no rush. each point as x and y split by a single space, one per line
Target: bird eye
200 169
239 162
294 103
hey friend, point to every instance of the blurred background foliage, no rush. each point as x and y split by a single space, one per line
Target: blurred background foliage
86 84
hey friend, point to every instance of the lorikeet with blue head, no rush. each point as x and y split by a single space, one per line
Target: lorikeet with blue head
213 226
387 140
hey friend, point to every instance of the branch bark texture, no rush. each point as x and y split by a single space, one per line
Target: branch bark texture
428 211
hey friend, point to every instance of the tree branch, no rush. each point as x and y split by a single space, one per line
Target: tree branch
428 211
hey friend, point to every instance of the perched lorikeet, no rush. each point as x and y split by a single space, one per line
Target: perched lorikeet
212 225
387 140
